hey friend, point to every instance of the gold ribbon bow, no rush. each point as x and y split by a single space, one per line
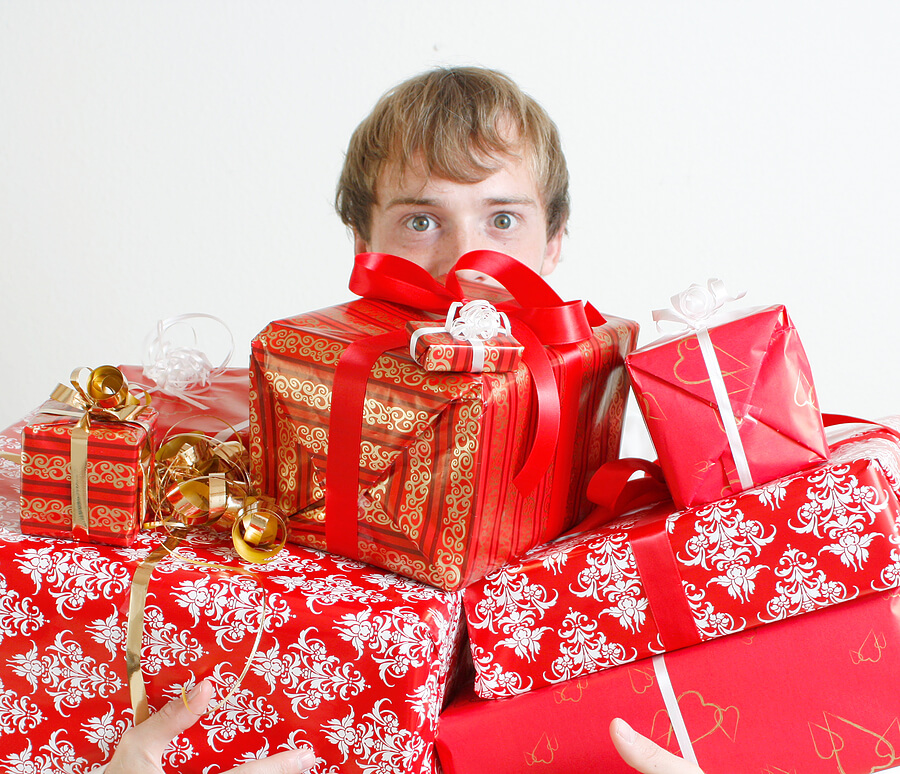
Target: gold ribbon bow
203 481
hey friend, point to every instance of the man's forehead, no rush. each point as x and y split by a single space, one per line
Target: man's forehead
416 182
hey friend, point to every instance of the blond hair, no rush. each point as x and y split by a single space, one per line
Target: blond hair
456 121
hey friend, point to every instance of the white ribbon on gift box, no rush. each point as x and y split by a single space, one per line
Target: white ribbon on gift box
476 322
679 727
695 309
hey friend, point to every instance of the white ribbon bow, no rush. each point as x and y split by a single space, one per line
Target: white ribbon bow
474 322
694 309
177 369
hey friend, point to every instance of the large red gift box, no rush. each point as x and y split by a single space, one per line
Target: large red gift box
762 374
352 661
430 488
658 580
116 468
810 695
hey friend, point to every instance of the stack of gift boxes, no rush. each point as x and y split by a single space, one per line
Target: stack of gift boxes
450 596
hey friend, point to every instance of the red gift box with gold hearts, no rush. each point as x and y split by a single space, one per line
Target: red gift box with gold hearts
729 406
813 695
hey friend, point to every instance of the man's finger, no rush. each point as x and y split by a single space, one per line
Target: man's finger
645 756
156 733
291 762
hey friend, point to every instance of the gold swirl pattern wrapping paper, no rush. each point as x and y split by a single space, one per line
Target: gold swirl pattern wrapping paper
118 470
439 449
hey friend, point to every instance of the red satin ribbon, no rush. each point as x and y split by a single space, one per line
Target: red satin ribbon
615 490
661 580
832 420
621 486
539 318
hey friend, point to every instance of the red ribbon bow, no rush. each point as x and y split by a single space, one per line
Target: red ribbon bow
539 318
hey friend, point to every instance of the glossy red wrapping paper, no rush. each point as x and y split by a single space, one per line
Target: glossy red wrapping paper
353 661
660 580
440 351
225 403
810 695
119 467
770 389
439 451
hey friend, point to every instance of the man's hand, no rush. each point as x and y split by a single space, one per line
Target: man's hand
141 748
645 756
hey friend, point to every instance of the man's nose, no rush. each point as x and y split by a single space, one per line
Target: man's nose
455 245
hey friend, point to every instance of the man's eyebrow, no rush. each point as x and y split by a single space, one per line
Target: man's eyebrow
500 200
417 201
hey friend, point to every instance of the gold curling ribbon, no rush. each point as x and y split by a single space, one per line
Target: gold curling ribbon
137 687
136 605
202 481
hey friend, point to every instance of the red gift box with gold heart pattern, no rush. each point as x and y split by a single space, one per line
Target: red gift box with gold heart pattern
810 695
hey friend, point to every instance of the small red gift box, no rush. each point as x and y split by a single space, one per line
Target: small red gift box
352 661
438 476
89 484
474 337
815 694
440 351
659 580
729 406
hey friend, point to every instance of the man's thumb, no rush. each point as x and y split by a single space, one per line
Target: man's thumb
157 732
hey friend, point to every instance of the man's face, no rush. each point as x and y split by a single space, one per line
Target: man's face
432 221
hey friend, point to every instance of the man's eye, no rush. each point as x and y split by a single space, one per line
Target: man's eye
419 223
503 221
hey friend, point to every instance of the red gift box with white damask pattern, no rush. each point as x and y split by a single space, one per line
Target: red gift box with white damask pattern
658 580
353 661
432 485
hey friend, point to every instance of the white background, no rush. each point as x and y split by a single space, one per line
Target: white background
158 158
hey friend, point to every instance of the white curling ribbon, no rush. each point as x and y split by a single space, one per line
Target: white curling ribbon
695 309
177 369
474 322
664 683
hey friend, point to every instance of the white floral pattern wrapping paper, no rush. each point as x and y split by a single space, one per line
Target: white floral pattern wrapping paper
581 604
353 660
